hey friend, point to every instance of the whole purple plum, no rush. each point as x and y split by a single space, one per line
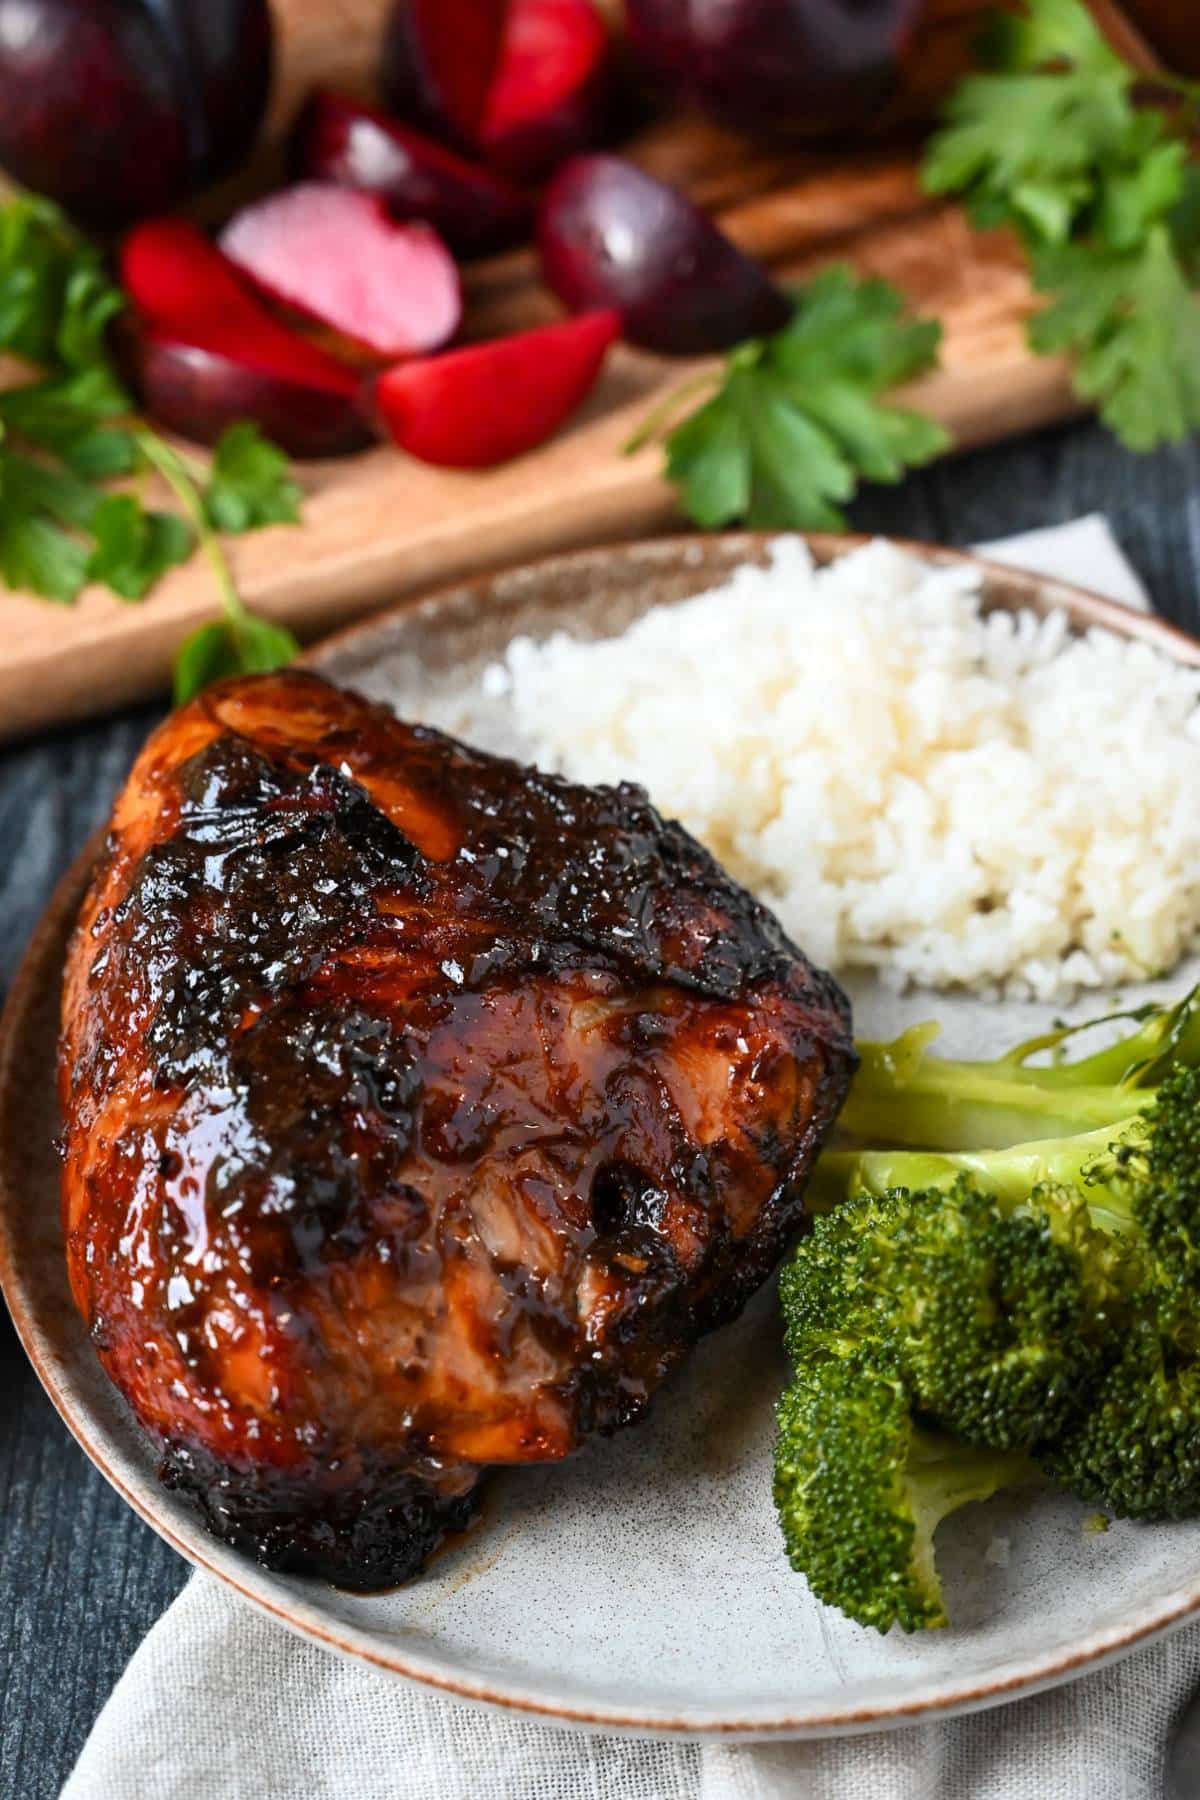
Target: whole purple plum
119 109
778 66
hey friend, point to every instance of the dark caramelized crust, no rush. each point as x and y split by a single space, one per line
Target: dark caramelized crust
421 1111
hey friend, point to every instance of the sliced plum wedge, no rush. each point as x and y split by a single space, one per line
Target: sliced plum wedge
440 59
203 351
341 140
552 91
199 390
336 256
523 84
472 408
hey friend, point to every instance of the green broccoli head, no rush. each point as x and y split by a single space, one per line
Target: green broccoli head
839 1273
1134 1448
985 1316
1156 1174
1134 1444
996 1335
1038 1300
1122 1430
861 1488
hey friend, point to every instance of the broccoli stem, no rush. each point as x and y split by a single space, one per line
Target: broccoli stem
943 1474
1168 1038
971 1105
1011 1174
903 1095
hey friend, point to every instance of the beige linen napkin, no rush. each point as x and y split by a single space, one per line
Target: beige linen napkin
220 1703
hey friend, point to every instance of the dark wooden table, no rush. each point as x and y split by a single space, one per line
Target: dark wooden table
81 1579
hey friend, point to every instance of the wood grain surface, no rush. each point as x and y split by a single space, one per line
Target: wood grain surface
379 526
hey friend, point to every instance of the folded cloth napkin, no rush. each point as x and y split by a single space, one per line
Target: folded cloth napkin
220 1703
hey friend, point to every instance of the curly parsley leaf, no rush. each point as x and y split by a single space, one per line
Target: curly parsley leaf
798 419
1027 140
1052 141
240 643
709 457
208 655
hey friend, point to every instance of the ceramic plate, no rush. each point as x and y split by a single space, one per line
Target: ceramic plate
642 1586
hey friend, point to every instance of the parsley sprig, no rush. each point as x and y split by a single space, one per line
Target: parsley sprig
798 419
1056 140
68 426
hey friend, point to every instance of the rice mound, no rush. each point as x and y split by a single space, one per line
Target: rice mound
952 798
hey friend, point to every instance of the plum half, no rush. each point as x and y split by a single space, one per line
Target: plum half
336 256
119 109
552 93
200 390
610 235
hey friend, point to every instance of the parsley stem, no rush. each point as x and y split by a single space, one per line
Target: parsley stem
196 469
174 469
660 416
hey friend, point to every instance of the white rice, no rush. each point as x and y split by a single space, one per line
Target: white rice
951 798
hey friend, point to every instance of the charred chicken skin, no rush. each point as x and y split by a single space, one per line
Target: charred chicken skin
421 1110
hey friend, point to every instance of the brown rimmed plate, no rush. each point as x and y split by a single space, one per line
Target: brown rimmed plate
640 1588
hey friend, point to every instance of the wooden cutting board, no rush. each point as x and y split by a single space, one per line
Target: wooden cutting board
378 526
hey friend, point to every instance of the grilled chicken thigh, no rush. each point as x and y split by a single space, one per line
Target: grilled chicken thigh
421 1111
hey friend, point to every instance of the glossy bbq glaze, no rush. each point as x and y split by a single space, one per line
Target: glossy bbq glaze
421 1111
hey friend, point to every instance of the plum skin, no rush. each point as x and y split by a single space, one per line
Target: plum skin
119 110
199 393
340 140
529 145
610 235
413 86
776 67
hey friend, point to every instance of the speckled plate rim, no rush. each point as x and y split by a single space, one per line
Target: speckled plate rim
1004 586
51 1352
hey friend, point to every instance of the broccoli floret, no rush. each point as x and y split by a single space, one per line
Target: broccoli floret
1040 1301
989 1318
904 1095
1156 1177
908 1316
861 1488
996 1334
1131 1437
1135 1446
